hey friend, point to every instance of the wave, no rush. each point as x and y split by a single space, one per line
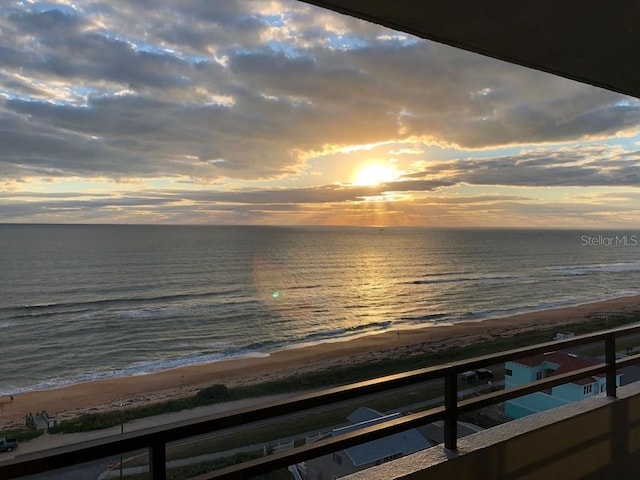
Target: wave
537 307
48 309
139 368
304 287
50 313
471 278
321 336
422 318
597 268
533 275
224 350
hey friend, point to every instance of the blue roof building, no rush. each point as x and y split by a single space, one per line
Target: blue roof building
376 452
537 367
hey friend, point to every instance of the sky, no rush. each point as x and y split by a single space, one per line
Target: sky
281 113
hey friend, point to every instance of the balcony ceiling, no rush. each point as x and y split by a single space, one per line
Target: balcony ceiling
591 41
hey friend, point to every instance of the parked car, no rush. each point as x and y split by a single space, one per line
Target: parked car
484 374
473 376
8 444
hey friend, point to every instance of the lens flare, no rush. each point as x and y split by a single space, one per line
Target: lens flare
280 289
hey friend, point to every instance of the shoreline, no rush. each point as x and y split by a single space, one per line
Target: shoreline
111 393
392 327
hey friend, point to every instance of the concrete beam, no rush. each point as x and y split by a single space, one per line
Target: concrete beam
591 41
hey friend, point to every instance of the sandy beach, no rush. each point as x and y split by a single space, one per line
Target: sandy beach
107 394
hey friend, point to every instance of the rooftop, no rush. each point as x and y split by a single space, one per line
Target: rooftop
566 362
402 443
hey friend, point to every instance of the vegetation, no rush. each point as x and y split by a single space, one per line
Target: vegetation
215 393
334 377
95 421
21 434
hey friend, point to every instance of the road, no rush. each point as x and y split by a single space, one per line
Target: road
86 471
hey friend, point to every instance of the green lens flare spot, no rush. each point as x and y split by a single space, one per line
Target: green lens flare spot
276 294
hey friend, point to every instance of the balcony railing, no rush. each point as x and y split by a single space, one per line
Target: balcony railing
156 439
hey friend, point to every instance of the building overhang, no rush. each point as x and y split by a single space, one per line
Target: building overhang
590 41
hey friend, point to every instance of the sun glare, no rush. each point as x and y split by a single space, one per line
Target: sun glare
374 174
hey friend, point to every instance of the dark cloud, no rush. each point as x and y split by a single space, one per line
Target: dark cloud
29 148
48 23
477 199
582 167
278 199
62 45
319 194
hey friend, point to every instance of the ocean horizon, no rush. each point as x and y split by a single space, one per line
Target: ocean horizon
84 302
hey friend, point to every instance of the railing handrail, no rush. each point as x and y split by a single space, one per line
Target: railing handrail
156 438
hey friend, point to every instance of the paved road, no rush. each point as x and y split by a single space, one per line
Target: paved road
87 471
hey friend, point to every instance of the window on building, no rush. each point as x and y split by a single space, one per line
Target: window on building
337 459
602 387
588 389
539 375
508 372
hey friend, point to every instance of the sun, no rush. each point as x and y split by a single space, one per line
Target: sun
374 174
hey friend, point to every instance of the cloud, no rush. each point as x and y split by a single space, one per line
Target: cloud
472 200
581 166
322 204
241 99
247 89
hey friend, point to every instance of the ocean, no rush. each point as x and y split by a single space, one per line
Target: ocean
82 302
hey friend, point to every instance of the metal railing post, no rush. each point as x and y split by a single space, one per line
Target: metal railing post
158 461
610 359
451 407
